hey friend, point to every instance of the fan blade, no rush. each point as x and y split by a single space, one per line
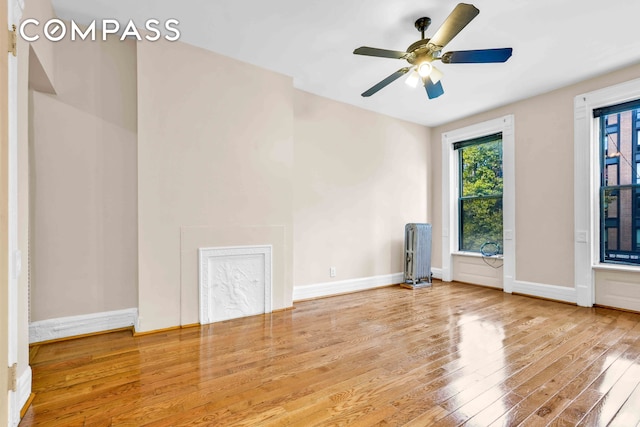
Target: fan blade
481 56
381 53
455 22
434 90
385 82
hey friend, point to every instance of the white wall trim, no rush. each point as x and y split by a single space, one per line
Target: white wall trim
586 183
65 327
617 288
505 125
554 292
24 388
353 285
23 391
15 8
326 289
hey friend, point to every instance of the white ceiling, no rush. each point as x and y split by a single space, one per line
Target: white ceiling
555 43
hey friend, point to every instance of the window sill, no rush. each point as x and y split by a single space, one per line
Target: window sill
475 255
617 267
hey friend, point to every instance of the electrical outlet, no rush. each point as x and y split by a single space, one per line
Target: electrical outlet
332 272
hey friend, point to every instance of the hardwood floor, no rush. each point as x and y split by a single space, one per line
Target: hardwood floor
448 355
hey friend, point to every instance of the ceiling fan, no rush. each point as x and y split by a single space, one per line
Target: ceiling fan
424 52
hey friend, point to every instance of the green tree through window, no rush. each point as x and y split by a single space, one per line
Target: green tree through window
480 200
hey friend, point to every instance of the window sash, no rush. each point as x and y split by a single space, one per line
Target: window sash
616 108
477 141
461 181
619 210
468 246
621 252
462 200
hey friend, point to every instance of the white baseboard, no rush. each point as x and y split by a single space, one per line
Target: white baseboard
318 290
326 289
558 293
23 392
24 387
65 327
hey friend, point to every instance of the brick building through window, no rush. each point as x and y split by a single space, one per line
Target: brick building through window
620 184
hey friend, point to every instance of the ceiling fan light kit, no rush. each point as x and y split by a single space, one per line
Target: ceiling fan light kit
424 69
414 79
421 54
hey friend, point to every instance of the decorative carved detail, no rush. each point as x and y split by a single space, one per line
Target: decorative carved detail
234 282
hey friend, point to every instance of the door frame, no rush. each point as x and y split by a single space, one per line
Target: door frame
14 10
4 215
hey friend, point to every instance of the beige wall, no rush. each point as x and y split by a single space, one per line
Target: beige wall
544 179
42 10
215 157
359 177
83 174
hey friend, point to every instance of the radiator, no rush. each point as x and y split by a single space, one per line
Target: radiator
417 255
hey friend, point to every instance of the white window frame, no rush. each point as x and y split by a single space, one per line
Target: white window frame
450 190
587 186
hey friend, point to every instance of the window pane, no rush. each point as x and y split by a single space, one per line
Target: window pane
612 239
611 175
481 169
612 145
621 231
611 203
481 222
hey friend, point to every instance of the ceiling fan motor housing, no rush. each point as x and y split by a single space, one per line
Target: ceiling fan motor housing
422 51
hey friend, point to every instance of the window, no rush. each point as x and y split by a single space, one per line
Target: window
591 269
619 183
480 193
452 143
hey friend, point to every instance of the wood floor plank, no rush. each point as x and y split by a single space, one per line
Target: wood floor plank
451 354
604 411
583 356
556 401
587 401
629 413
474 399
